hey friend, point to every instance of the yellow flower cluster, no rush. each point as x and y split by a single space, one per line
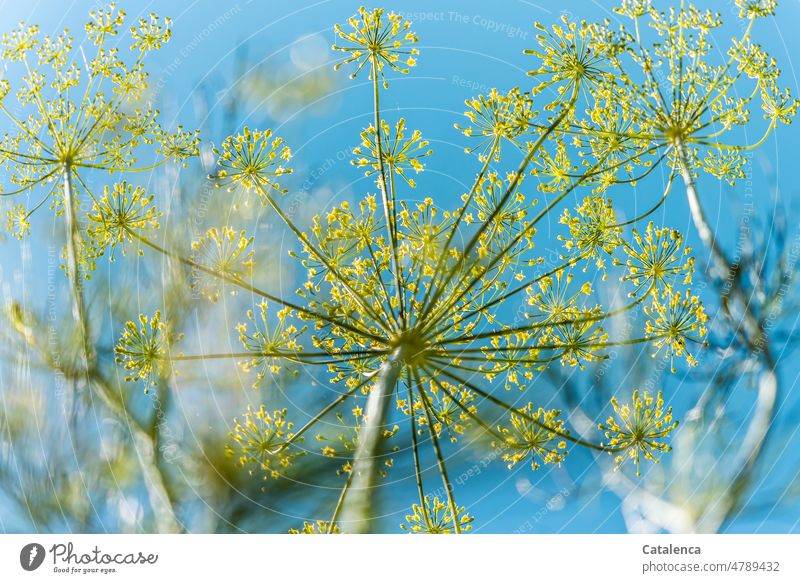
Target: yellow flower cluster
143 349
261 439
638 428
253 160
433 516
223 252
124 211
316 527
379 40
535 434
396 153
271 345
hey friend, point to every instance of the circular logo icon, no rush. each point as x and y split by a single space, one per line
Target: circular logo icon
31 556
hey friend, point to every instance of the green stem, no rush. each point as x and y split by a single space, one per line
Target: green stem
475 185
74 244
339 504
144 444
415 450
440 461
306 241
358 505
503 405
252 289
768 384
388 205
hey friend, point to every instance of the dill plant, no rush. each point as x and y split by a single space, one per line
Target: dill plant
403 303
78 117
404 300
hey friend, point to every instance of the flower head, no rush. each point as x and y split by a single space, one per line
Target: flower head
18 221
756 8
151 33
574 53
450 408
511 359
638 428
593 230
578 340
657 260
379 40
143 349
674 321
687 117
556 301
223 252
179 145
253 160
495 117
535 434
778 106
316 527
271 345
71 120
262 439
556 170
398 153
115 219
434 516
424 231
725 165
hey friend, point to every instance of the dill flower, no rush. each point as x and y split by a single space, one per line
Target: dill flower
657 260
573 53
728 166
608 143
555 170
122 212
435 517
506 217
689 118
580 340
638 428
756 8
754 61
674 322
18 221
424 231
222 252
511 358
451 408
537 435
397 153
556 301
593 230
379 40
253 160
270 345
262 439
406 304
633 8
778 105
316 527
143 349
496 117
151 33
55 139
